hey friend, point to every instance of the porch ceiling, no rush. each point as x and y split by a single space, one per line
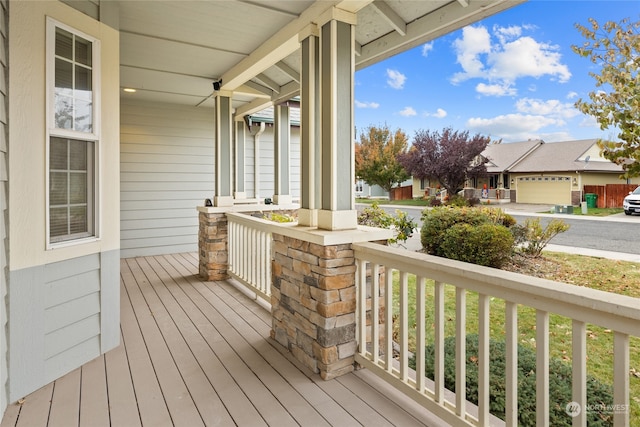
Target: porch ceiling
172 51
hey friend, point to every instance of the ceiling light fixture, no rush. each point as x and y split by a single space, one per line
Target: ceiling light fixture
129 89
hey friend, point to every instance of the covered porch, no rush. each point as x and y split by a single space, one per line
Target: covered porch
195 353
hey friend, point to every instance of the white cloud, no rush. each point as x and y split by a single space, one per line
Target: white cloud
495 89
407 112
426 48
503 57
512 127
395 79
572 95
439 114
474 42
551 107
359 104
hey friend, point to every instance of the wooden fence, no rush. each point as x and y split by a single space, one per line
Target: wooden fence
610 195
401 193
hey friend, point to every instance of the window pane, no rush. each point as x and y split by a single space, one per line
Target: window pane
78 155
58 188
64 43
83 116
58 220
83 83
78 219
83 51
58 154
78 188
64 76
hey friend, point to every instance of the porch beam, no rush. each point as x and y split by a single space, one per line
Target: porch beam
295 76
390 15
283 43
252 107
446 19
268 82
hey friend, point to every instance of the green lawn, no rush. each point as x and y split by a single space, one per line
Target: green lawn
598 211
410 202
599 340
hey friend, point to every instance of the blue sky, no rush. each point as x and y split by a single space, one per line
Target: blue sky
511 76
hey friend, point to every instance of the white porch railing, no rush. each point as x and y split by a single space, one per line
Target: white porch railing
584 306
249 252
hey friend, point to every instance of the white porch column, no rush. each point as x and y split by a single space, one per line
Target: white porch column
336 115
240 138
223 146
282 142
310 128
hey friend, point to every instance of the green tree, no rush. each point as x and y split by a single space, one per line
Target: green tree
376 157
615 49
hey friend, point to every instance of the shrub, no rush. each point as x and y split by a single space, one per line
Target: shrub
434 202
278 217
486 244
437 221
533 238
402 224
458 201
559 383
375 216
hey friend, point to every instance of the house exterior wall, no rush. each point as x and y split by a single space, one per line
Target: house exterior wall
166 170
266 173
4 184
63 303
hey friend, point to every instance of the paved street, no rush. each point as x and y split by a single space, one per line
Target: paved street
616 236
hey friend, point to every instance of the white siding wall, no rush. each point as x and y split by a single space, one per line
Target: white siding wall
64 303
167 169
4 183
267 171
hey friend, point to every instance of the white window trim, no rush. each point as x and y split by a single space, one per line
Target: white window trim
52 131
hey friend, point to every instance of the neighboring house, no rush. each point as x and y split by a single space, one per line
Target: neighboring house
92 171
556 173
537 172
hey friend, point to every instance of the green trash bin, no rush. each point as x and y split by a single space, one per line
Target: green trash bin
591 200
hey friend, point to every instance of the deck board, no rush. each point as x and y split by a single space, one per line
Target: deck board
199 353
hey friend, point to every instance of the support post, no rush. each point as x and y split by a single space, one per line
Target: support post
282 143
240 139
223 148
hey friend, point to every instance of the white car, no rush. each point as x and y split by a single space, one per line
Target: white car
631 203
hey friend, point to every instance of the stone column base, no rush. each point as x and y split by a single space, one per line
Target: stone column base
212 246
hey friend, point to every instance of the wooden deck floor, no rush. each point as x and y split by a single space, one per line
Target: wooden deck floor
198 353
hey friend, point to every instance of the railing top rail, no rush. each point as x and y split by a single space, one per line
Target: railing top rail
313 234
618 312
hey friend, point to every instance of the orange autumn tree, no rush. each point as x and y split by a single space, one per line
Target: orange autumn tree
376 157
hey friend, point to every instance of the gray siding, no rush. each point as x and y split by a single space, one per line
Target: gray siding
166 169
4 184
267 168
61 317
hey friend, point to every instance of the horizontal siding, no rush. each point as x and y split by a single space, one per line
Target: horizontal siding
166 171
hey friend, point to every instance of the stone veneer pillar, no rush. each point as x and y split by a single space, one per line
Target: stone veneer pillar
313 303
212 246
213 237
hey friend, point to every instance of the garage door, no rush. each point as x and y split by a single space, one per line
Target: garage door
555 190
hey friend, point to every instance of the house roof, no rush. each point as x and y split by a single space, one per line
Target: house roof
502 157
173 50
581 155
